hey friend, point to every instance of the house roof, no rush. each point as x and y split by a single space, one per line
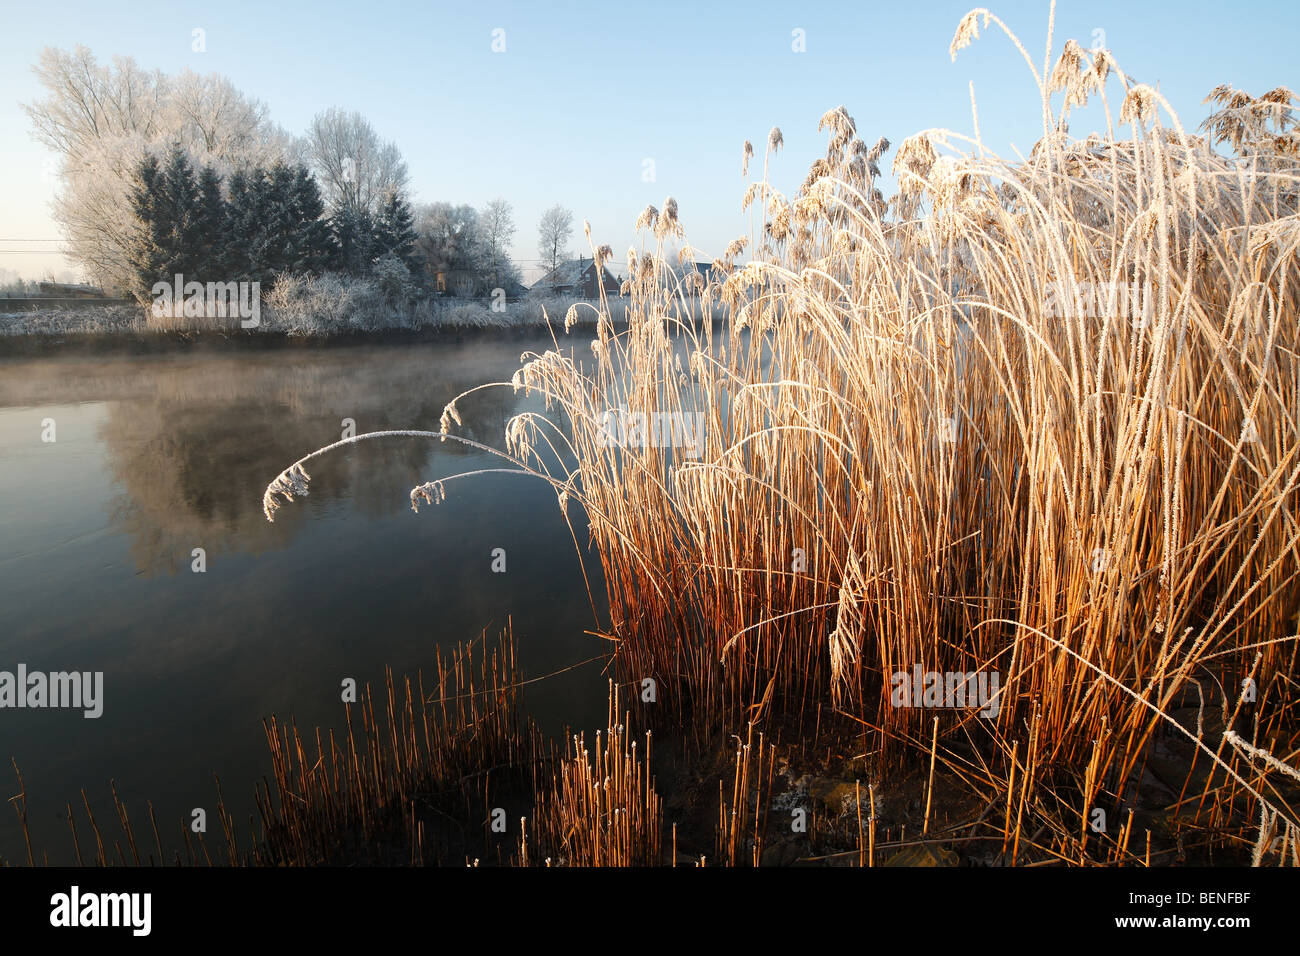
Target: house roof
570 273
707 269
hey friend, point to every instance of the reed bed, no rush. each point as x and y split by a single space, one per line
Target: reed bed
602 808
1038 418
1034 417
414 779
742 819
435 755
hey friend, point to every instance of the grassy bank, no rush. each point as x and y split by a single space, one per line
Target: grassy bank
286 321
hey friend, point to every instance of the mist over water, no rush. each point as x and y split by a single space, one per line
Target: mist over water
156 455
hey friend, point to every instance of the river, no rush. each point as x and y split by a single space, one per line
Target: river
154 456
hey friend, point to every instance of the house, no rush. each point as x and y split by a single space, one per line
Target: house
514 289
707 271
577 277
457 282
464 284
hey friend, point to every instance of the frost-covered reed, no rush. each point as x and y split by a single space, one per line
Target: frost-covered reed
916 455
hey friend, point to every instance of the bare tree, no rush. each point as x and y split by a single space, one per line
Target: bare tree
102 120
354 167
553 234
213 120
450 242
88 103
498 227
89 107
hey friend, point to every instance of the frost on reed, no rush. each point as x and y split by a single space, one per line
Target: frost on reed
602 808
1035 417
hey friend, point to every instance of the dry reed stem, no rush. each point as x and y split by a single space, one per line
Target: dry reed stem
1039 417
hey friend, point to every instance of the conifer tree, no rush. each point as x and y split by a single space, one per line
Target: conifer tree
395 229
353 234
215 240
182 212
316 243
168 209
146 250
240 220
272 242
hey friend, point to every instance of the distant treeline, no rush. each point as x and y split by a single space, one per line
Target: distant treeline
266 222
160 174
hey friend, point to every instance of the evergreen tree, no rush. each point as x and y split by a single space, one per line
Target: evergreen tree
395 229
272 243
354 238
269 223
215 238
241 222
168 209
275 219
317 246
145 252
183 213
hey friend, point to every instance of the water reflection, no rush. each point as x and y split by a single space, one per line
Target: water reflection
158 455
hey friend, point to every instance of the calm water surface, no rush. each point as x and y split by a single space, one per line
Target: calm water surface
158 455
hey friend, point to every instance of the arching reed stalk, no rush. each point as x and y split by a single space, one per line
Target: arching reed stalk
1039 417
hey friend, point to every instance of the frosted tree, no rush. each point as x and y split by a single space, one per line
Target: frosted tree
93 209
553 233
213 120
498 222
450 242
88 103
356 170
103 119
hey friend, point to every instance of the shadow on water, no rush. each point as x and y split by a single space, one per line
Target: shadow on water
156 456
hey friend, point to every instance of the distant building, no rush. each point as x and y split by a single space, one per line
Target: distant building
513 289
707 271
577 277
463 284
457 282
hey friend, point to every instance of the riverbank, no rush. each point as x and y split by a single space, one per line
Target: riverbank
100 329
189 442
144 341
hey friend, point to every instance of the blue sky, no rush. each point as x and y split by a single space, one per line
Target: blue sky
584 94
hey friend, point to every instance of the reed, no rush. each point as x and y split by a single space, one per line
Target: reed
602 808
429 764
741 829
1036 417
